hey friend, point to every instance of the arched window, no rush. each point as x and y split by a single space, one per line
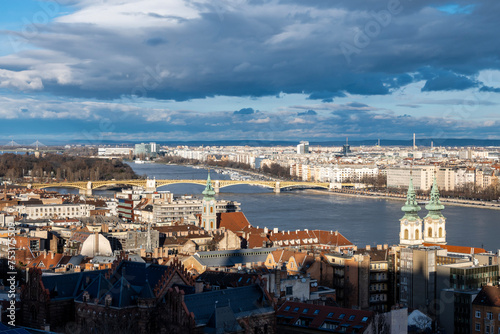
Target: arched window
211 225
406 235
429 233
211 209
204 209
417 234
440 232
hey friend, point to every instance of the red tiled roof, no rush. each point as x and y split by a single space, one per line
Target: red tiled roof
317 315
315 237
233 221
46 261
458 249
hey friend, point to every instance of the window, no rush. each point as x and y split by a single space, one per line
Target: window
287 308
364 319
289 290
342 316
330 315
478 314
489 315
351 318
316 312
305 310
295 309
478 327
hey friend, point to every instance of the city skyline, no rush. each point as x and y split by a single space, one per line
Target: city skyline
96 71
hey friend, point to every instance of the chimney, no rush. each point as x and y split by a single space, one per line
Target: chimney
275 230
386 246
368 247
379 247
51 255
266 230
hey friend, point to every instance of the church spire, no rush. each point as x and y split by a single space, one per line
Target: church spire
209 191
411 207
434 206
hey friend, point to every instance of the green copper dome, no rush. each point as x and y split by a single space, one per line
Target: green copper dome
411 207
209 191
434 206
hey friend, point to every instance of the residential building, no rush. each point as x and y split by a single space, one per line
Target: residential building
486 311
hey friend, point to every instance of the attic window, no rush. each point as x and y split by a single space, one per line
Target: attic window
330 315
364 319
352 317
342 316
305 310
316 312
296 309
287 308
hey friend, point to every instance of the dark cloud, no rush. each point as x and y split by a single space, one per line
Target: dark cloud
490 89
357 105
449 81
325 96
264 48
244 111
155 41
307 113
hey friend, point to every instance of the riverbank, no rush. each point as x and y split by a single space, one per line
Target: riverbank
360 193
447 201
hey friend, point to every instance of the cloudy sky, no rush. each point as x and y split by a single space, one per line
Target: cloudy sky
97 70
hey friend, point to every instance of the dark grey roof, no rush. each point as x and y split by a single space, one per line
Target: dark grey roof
76 260
4 329
242 301
223 321
230 258
69 285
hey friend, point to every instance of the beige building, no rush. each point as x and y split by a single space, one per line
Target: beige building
38 211
400 177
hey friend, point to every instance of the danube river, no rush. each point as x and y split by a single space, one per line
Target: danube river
364 221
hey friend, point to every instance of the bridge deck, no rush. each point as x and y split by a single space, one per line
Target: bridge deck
91 185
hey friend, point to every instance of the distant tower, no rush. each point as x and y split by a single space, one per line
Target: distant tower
435 222
208 215
346 149
414 146
410 225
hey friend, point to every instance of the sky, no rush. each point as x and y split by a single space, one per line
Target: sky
194 70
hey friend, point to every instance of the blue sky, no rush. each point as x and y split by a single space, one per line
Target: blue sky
96 70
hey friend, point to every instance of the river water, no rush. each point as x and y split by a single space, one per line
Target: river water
364 221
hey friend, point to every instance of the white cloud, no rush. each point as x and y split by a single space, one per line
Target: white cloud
260 120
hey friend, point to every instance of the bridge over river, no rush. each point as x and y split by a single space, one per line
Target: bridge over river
86 187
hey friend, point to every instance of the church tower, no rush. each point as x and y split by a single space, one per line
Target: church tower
410 225
435 222
208 215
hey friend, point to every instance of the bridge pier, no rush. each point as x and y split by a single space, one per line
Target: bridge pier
277 188
86 192
151 185
217 186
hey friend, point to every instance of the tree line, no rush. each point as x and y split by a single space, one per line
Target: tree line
62 167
